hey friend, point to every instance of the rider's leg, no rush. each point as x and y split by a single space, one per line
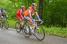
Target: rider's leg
21 24
32 25
18 26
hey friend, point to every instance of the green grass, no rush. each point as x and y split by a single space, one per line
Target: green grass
12 23
57 31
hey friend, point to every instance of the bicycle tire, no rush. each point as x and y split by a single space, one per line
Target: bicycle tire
17 28
6 25
43 30
1 25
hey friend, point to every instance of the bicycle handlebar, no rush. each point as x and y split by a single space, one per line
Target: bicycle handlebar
41 22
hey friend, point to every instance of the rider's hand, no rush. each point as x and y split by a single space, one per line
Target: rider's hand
31 21
40 20
1 16
20 20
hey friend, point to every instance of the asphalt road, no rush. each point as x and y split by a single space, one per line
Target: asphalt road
12 37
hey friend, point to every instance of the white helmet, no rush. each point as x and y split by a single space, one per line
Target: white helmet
34 4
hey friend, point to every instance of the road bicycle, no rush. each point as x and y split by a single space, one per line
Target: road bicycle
4 23
38 31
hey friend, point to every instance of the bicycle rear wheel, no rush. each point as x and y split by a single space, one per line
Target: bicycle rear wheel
39 33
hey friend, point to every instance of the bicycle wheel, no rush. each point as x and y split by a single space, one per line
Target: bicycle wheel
1 26
39 33
26 31
6 25
17 26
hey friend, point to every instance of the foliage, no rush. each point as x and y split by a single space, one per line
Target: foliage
55 11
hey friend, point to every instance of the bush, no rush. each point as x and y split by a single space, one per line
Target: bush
56 13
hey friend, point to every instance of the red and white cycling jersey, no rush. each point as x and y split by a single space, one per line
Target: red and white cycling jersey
19 15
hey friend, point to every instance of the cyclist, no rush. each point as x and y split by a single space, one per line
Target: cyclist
29 13
19 15
3 15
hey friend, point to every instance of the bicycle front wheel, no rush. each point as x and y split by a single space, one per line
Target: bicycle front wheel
17 26
39 33
6 25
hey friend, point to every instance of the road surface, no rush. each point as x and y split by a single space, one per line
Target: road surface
12 37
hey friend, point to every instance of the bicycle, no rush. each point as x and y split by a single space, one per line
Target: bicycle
26 29
4 23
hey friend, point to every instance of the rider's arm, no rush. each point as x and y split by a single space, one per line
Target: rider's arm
5 13
37 16
30 14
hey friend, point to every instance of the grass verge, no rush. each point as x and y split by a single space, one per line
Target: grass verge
57 31
11 23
